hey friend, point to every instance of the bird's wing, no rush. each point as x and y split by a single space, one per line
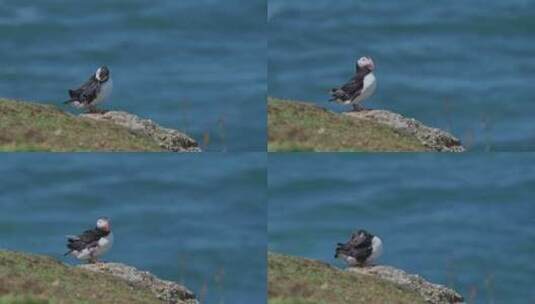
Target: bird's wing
359 240
358 247
350 89
85 240
91 235
88 91
357 83
353 86
360 253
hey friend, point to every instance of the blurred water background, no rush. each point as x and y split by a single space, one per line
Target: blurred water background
195 220
467 221
463 66
199 66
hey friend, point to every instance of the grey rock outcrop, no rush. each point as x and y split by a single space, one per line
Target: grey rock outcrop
168 139
432 293
432 138
167 291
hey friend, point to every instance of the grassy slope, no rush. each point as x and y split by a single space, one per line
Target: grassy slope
297 126
294 280
28 279
27 126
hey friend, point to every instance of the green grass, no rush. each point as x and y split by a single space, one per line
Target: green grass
295 301
26 126
293 280
34 279
299 126
10 299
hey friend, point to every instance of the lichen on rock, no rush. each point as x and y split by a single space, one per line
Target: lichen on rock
432 293
302 280
27 126
43 279
168 139
303 126
167 291
433 138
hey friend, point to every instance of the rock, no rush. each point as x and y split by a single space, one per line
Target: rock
432 293
34 278
167 291
433 138
168 139
293 279
303 126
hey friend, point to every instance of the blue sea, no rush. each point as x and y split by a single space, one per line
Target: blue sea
199 66
463 66
197 220
466 221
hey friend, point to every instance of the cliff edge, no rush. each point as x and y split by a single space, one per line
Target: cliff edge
296 280
26 126
28 278
301 126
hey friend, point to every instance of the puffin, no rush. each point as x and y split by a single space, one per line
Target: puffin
358 88
94 91
362 249
92 243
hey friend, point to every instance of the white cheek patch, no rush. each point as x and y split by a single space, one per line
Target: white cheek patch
97 74
363 62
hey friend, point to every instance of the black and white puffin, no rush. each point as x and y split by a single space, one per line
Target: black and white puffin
93 243
96 90
362 249
359 88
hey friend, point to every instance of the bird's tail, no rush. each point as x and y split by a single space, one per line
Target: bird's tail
335 94
340 248
332 91
73 97
71 239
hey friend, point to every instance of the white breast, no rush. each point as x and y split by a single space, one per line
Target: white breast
105 92
104 244
368 88
377 249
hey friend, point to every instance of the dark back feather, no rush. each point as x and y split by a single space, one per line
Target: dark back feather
87 92
88 238
353 87
359 247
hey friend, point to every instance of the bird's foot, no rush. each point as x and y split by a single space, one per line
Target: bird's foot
357 107
92 261
93 110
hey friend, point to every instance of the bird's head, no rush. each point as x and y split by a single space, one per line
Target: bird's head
361 233
102 74
104 224
366 62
